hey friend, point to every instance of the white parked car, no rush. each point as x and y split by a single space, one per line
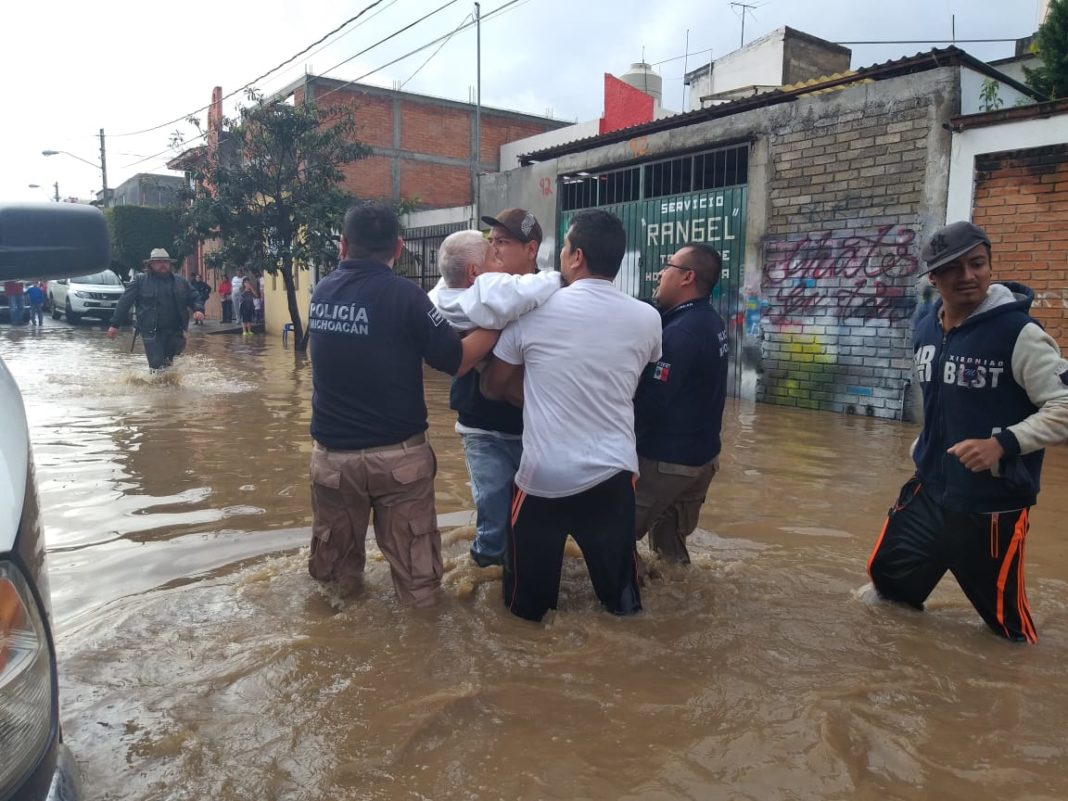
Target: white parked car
36 241
85 296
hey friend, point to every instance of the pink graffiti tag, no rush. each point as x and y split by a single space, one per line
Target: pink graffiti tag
546 186
859 276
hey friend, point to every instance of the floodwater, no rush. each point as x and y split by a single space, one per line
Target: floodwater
199 661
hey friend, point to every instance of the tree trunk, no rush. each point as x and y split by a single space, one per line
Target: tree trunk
300 342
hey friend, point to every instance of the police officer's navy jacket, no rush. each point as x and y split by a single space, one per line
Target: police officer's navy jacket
370 331
162 302
996 374
678 408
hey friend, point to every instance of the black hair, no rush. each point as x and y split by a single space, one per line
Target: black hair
708 265
371 229
602 240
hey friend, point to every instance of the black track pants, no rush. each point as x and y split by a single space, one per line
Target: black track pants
601 520
920 541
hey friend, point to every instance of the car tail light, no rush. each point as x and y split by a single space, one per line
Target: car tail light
25 680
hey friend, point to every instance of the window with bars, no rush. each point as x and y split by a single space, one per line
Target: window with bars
710 169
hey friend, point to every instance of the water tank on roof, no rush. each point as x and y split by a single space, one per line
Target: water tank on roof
642 77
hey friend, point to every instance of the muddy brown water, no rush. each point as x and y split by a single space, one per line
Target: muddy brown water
199 661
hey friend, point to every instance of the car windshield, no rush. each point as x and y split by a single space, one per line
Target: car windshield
105 277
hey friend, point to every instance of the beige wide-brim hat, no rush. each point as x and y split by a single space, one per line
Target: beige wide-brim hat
159 254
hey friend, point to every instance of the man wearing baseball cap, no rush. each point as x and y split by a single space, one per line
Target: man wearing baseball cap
163 301
995 394
515 238
492 430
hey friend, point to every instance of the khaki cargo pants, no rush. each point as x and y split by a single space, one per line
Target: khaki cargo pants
667 500
397 483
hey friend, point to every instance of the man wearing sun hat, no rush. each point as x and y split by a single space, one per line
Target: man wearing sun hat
162 301
995 394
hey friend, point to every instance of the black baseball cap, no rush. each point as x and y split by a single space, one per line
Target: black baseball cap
951 242
520 223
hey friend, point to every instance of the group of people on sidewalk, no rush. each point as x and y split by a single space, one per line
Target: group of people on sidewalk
25 302
586 412
241 296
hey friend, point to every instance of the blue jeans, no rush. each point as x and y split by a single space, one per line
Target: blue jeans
492 463
16 307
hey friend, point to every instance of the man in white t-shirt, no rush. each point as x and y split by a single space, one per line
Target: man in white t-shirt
584 351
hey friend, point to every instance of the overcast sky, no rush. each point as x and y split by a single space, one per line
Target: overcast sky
73 67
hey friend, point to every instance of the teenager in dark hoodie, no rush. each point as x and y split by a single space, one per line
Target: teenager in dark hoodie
995 394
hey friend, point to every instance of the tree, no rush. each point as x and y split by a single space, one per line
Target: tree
277 201
1051 47
135 230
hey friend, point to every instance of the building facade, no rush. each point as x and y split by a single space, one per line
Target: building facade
819 196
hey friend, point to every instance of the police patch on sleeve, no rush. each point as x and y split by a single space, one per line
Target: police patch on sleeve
435 316
661 371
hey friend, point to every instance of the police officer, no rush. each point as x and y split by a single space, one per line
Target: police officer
162 300
370 331
678 409
995 394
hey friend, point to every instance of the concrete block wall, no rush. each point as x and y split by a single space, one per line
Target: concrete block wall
1021 201
846 212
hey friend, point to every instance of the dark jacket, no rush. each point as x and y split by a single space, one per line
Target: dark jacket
970 392
148 291
370 331
678 408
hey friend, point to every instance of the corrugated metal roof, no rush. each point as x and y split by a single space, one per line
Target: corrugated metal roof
921 62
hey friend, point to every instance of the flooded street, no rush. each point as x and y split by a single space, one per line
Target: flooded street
199 661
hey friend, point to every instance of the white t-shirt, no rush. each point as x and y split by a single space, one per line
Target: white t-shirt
584 350
235 288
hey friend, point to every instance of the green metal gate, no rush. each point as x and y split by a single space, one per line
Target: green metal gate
657 228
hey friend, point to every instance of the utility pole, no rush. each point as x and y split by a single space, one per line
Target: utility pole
56 185
478 109
104 169
746 8
685 67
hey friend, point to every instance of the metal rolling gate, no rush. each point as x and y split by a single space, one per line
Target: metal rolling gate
700 198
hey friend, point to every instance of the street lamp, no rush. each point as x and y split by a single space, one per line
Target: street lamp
102 166
55 186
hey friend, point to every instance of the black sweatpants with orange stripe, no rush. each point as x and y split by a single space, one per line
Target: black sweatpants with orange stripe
921 540
601 520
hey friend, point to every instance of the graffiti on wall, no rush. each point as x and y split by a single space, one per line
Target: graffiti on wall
1053 299
855 276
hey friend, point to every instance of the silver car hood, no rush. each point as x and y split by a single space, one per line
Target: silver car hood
14 453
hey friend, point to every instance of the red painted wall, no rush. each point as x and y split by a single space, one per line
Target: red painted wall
624 105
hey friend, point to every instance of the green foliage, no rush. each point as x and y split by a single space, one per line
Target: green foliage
989 99
1051 47
273 198
136 230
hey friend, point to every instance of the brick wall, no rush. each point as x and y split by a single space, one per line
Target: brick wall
841 253
435 185
428 157
1021 201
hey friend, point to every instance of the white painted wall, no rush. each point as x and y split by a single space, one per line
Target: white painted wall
971 86
511 151
994 139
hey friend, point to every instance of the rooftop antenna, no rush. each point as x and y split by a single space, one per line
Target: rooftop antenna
746 9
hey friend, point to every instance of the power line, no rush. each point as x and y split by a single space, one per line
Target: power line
431 56
445 37
499 9
251 83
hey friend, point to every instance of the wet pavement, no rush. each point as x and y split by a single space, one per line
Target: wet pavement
199 661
